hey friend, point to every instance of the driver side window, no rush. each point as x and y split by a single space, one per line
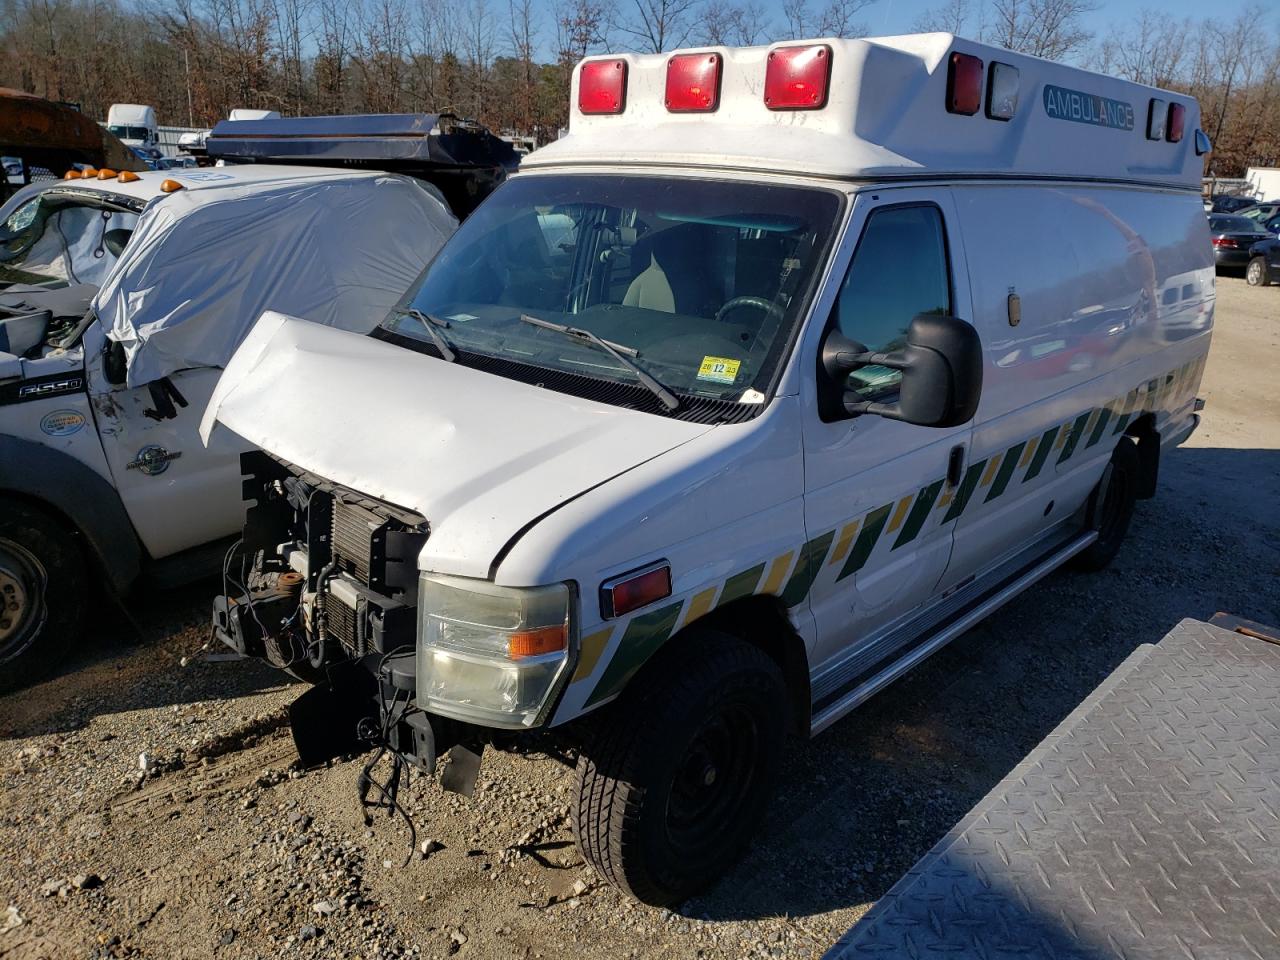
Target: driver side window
898 270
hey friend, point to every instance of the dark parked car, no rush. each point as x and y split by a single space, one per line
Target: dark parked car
1232 238
1264 263
1229 203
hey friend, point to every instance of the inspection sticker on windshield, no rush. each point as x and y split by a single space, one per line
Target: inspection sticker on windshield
719 369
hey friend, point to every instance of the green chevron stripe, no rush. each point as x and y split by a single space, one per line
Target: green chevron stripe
811 558
1005 473
741 585
1074 436
866 542
919 513
1042 454
965 491
1102 425
645 634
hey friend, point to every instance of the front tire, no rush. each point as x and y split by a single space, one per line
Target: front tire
681 770
1116 507
42 586
1257 273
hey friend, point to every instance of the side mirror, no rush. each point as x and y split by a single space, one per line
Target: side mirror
941 374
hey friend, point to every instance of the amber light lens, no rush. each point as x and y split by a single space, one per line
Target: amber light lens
602 87
127 176
169 186
796 78
693 83
636 592
533 643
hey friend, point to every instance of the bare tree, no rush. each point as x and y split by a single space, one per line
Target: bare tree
952 16
1152 50
652 26
1053 29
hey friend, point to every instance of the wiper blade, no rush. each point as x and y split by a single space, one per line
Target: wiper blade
430 324
619 351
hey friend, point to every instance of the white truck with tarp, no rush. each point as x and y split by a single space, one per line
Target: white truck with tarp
121 297
782 369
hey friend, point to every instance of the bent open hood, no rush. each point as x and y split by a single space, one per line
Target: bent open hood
479 456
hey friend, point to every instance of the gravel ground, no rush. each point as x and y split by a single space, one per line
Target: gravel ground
150 808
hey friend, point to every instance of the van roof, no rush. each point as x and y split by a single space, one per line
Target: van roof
886 116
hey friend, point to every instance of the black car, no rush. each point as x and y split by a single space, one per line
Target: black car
1229 203
1264 263
1232 238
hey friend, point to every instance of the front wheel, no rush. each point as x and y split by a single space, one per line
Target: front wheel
42 586
1256 274
680 772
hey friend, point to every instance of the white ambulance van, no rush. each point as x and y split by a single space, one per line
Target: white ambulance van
782 369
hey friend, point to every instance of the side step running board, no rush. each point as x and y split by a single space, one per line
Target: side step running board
949 629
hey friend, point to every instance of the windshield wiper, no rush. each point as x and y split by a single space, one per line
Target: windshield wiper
620 352
430 324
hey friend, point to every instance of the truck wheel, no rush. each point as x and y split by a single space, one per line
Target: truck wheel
42 586
1116 507
1257 274
681 770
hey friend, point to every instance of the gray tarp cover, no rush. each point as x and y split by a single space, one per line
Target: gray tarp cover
204 264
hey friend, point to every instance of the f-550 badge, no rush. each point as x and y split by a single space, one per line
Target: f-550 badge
40 388
153 460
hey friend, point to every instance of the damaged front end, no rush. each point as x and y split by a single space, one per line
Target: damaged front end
324 584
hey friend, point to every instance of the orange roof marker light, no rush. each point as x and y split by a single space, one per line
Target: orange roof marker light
127 176
88 173
106 173
170 186
71 174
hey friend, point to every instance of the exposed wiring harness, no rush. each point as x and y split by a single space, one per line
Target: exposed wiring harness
380 735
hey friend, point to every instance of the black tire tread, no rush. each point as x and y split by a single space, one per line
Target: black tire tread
1098 555
46 536
606 814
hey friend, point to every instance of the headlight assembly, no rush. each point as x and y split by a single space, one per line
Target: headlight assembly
491 655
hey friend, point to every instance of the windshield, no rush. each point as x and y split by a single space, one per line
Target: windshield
1232 225
703 280
129 133
57 238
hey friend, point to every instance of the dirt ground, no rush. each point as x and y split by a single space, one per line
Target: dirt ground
218 848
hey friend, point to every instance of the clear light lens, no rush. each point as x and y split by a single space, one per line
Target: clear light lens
1002 91
1156 119
468 666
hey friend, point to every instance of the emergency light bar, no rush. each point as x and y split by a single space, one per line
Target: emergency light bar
693 82
602 88
797 78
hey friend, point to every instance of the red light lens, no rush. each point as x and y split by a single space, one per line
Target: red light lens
602 86
1177 117
693 83
964 84
637 591
796 78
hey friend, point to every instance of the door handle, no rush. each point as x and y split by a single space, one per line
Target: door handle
955 465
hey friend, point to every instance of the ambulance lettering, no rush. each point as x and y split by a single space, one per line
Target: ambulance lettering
1079 107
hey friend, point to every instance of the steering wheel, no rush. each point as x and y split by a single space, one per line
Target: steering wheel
760 303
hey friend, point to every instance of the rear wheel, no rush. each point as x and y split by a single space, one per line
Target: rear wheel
1256 274
1114 507
42 586
681 771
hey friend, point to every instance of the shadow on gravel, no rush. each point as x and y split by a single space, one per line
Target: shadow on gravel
862 802
124 666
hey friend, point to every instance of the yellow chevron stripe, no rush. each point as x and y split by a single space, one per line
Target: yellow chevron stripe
845 542
990 473
701 604
589 653
777 572
900 514
1029 452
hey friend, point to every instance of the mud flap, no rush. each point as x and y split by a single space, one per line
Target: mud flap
326 721
460 773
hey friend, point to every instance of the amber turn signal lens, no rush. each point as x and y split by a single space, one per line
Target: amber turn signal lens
169 186
127 176
532 643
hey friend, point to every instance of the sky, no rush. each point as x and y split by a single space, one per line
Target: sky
886 17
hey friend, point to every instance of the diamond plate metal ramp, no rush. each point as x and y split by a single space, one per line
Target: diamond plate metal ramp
1147 825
